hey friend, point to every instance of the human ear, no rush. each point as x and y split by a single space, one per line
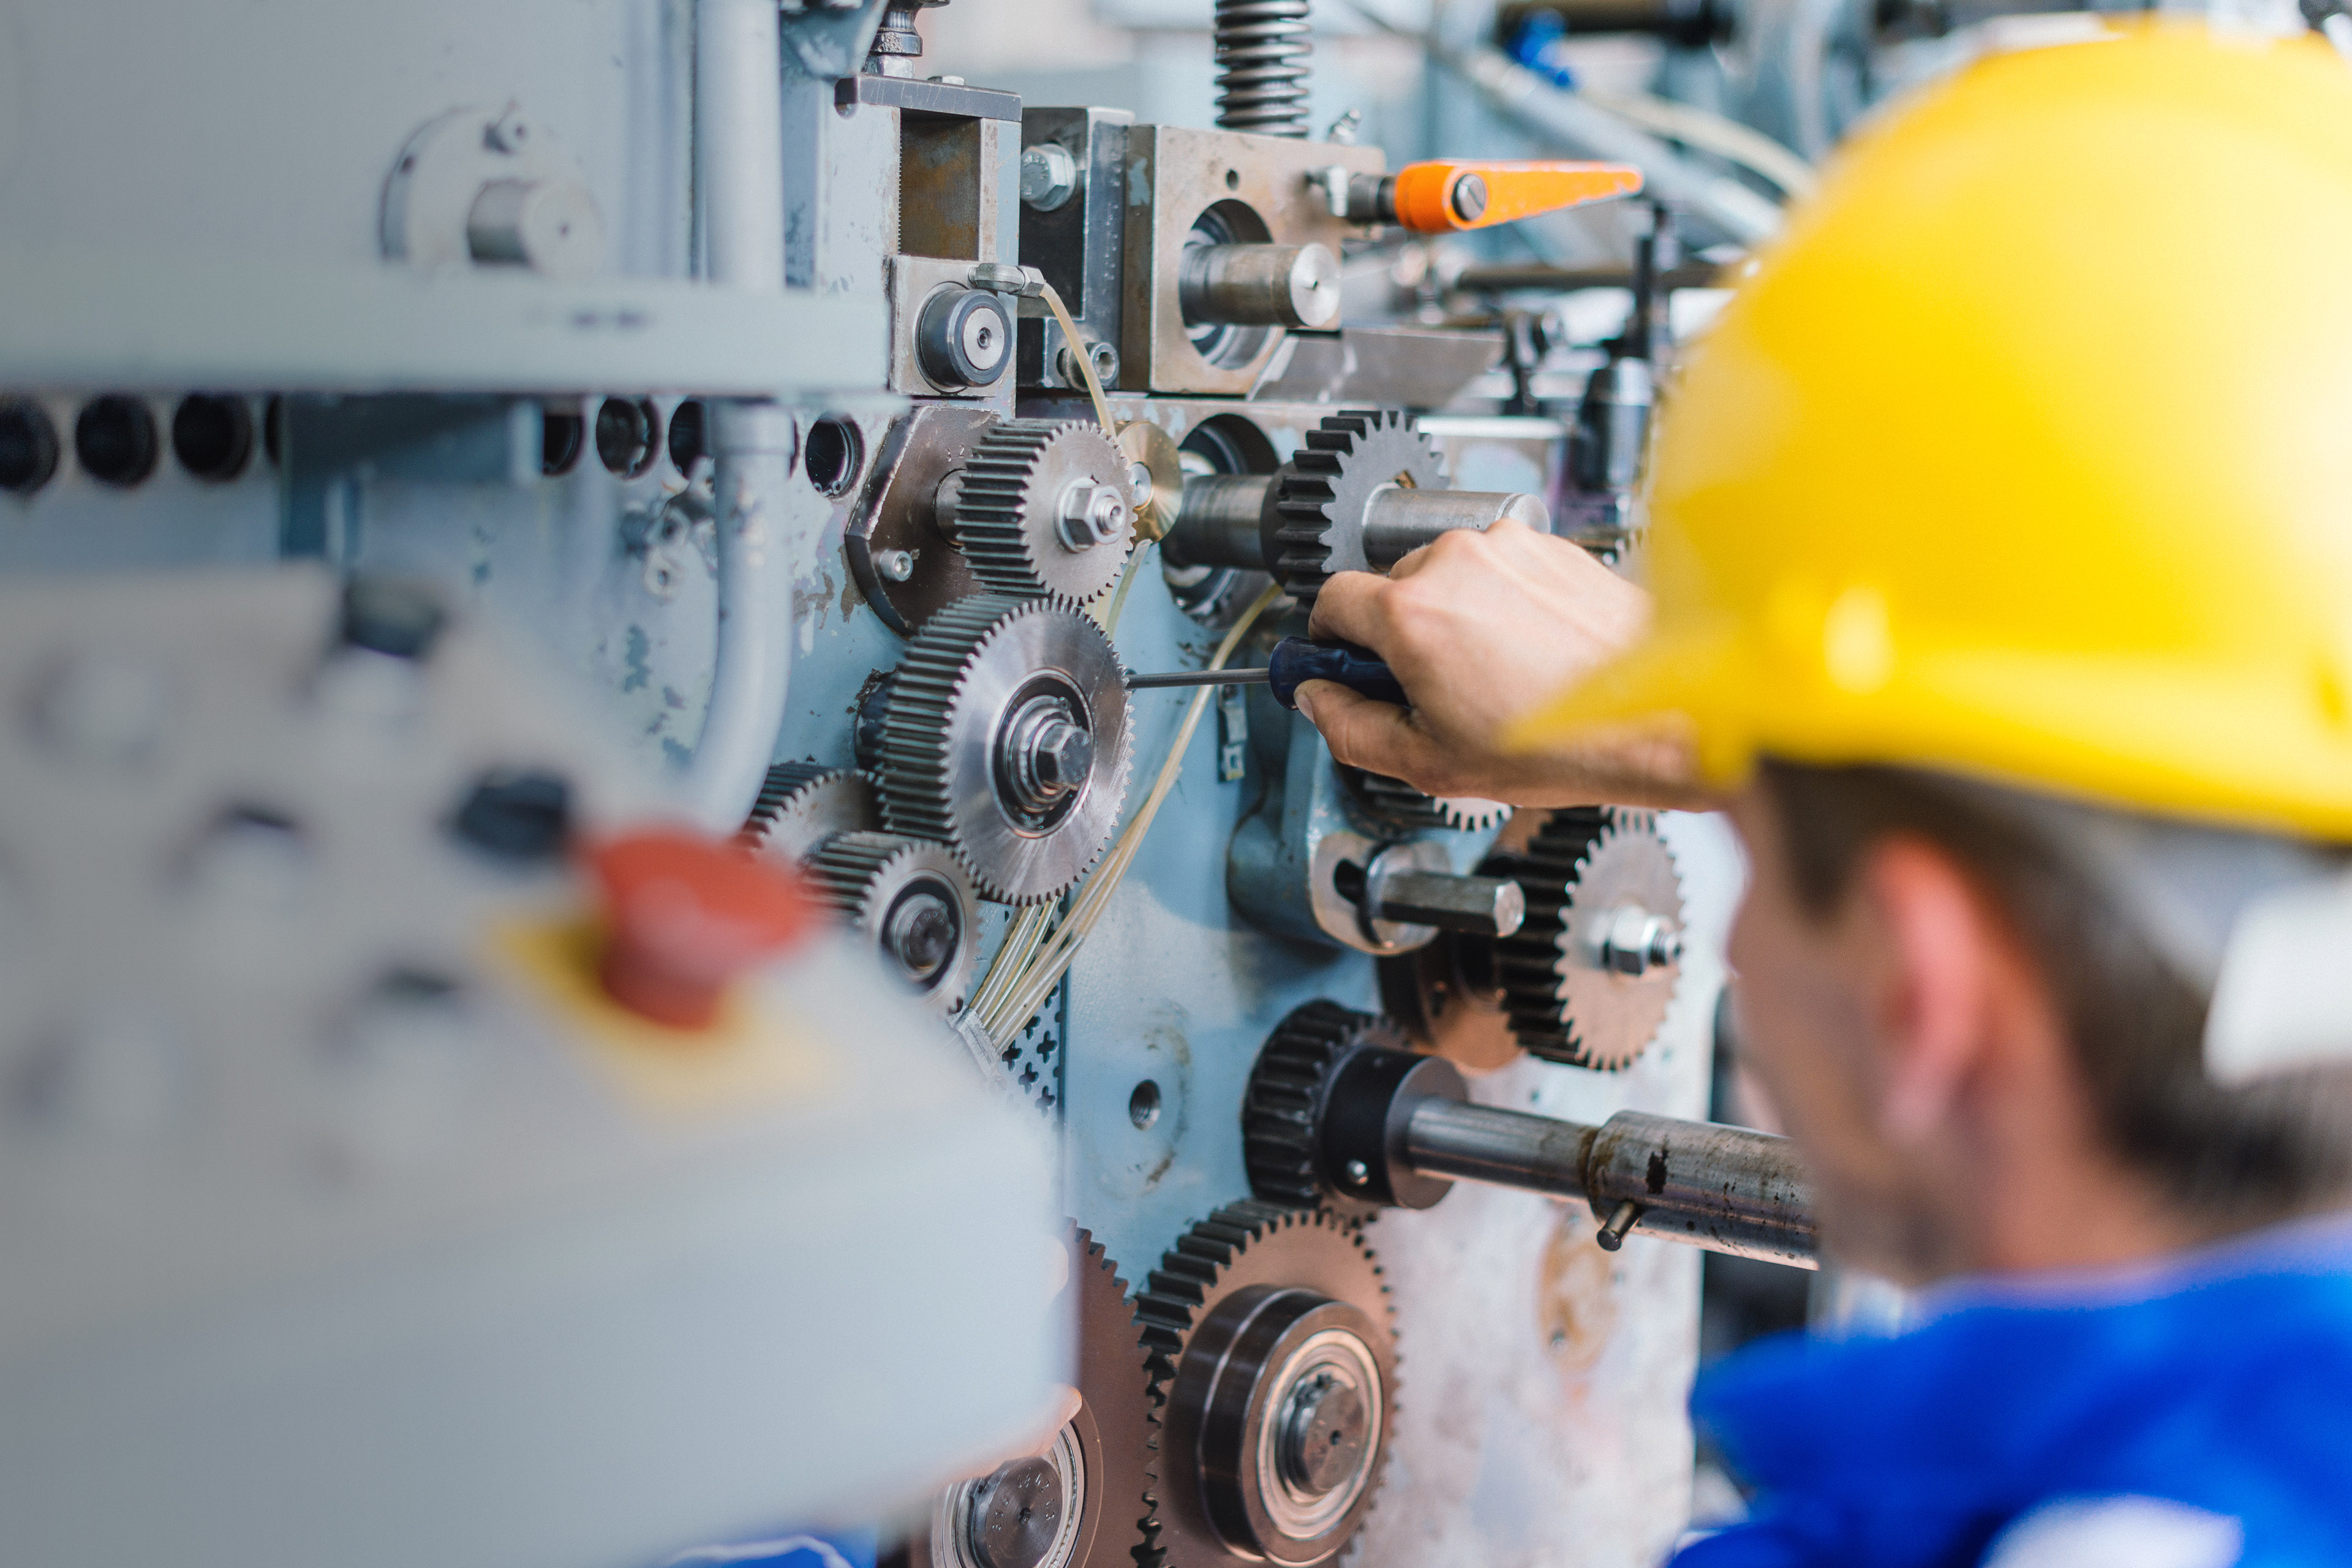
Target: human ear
1931 958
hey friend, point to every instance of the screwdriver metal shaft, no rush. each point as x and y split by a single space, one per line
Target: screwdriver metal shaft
1200 678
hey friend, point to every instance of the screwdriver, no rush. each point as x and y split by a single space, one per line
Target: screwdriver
1296 659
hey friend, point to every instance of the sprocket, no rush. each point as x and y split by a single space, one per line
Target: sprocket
1008 739
1272 1357
1588 976
1321 497
1045 507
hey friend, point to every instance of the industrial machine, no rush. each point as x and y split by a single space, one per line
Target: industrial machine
478 448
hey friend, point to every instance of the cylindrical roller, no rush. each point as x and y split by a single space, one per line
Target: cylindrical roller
1483 905
1727 1189
1260 285
1400 521
1219 522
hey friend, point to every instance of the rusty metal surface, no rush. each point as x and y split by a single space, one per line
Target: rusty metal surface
1727 1188
897 514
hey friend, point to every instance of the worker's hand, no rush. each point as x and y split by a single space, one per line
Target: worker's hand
1480 628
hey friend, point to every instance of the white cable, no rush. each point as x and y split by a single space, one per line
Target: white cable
1711 133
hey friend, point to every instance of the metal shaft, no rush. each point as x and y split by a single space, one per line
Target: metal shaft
1483 905
1217 523
1399 521
1727 1189
1260 285
1198 678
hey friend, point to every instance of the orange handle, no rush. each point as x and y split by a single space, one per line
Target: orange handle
1448 195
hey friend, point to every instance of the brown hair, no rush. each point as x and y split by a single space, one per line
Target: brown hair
2234 1156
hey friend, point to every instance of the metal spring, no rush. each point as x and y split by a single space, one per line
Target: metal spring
1262 49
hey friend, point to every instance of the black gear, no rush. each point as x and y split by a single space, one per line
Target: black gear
1252 1257
1392 802
1282 1106
1315 525
1558 1002
1006 512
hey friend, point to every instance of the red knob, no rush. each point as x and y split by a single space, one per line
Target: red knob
684 916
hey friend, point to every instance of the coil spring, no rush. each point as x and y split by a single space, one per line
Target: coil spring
1262 49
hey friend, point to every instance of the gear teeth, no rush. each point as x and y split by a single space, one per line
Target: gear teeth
918 799
860 875
1318 497
1284 1100
1002 521
785 781
1398 804
1531 965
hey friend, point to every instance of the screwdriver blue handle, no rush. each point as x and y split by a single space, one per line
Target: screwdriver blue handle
1359 669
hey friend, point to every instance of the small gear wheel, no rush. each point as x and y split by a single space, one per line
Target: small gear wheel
1272 1347
1007 738
802 805
1588 978
1045 507
909 900
1282 1106
1393 803
1083 1499
1316 526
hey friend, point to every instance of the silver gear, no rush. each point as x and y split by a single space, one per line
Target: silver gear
1588 978
997 699
1273 1358
1009 509
1396 803
802 805
1316 524
909 900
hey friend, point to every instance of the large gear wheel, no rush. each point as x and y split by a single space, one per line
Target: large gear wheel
1044 507
1282 1109
1314 526
1392 802
909 900
1588 978
1083 1500
1008 739
802 805
1272 1357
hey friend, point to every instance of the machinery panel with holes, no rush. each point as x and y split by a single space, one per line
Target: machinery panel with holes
805 449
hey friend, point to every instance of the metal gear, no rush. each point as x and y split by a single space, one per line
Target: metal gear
802 805
1316 525
1396 803
1008 739
1588 978
1045 507
909 900
1089 1487
1273 1359
1281 1110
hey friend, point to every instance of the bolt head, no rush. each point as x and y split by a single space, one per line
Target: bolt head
1358 1172
1049 176
1064 754
1091 514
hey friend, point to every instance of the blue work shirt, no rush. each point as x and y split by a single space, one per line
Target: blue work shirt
2191 1414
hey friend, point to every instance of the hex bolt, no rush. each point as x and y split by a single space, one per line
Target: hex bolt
1049 176
921 931
1064 753
1482 906
1633 942
1090 514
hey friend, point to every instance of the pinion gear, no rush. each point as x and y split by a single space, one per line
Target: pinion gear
1008 739
1322 496
802 805
1283 1106
1588 976
1272 1347
1044 509
910 902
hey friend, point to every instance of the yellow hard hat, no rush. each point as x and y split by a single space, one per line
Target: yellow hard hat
2026 453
